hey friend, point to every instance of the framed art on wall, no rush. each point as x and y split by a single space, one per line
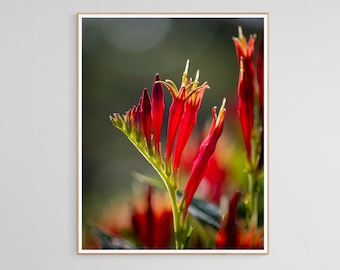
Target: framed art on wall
172 138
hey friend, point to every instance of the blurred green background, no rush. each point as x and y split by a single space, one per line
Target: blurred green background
120 57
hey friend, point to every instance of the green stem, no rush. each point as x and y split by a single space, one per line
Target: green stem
171 187
254 218
176 214
250 192
254 194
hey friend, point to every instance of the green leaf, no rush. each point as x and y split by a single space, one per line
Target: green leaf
206 212
148 179
188 234
112 242
199 231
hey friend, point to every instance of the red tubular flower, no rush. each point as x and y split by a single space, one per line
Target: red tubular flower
246 87
175 116
188 122
245 110
157 111
128 120
205 151
228 234
146 117
213 180
179 99
153 224
136 115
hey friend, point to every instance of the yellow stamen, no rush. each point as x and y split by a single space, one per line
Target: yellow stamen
222 109
241 66
185 74
242 40
196 78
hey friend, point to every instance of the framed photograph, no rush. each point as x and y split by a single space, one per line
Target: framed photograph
172 133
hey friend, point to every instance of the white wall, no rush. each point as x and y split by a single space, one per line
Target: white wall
38 136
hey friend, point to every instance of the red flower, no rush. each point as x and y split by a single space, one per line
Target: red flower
246 89
183 110
188 122
228 234
152 224
175 112
148 221
146 118
139 121
233 235
205 151
213 180
157 112
251 239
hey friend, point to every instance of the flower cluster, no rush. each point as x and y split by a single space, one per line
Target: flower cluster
251 114
142 124
152 223
250 86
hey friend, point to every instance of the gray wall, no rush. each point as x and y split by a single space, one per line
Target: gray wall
38 136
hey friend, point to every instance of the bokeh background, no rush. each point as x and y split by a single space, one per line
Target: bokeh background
120 57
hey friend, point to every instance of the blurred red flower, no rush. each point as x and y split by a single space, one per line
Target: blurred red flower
152 224
246 89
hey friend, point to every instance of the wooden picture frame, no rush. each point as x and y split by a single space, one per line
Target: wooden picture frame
121 207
